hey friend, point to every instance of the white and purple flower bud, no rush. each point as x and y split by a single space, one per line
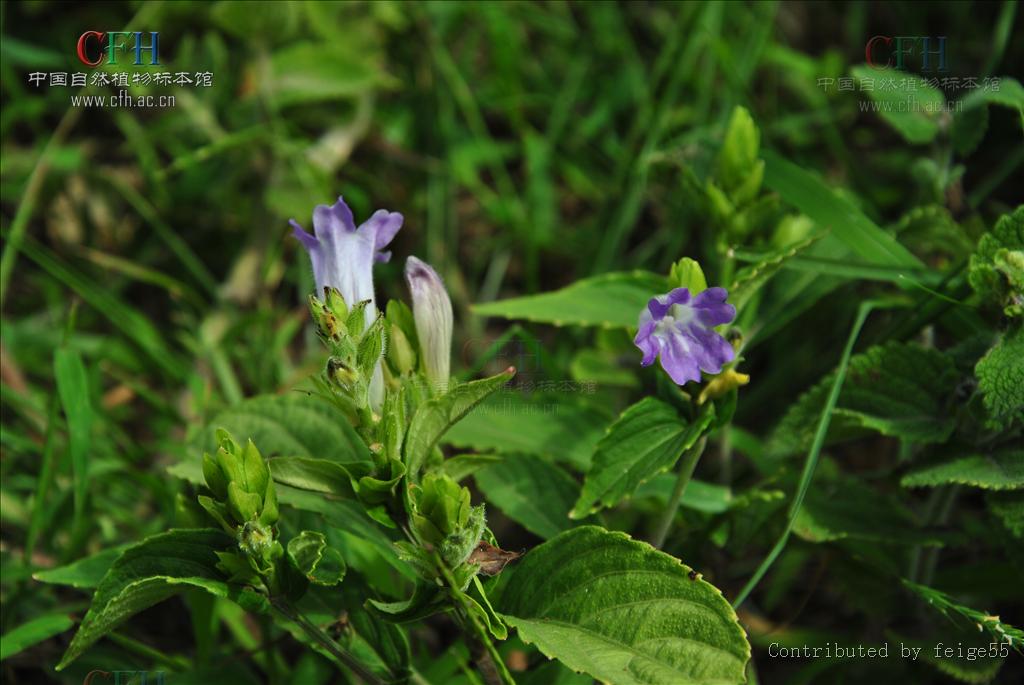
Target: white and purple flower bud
432 312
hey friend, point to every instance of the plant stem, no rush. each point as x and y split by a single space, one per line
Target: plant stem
324 640
687 463
493 669
811 463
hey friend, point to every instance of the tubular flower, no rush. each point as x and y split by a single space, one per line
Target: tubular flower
343 255
680 330
432 312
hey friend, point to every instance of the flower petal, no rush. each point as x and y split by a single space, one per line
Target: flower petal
308 241
659 306
711 308
333 218
678 360
384 225
648 343
711 351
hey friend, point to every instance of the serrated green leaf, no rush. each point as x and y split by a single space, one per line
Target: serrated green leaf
544 425
434 417
913 113
32 633
1000 470
151 571
996 269
1001 379
749 280
847 509
645 440
897 389
532 492
294 425
623 612
1008 506
612 300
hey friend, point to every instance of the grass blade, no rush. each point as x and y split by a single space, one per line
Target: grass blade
812 456
73 388
828 210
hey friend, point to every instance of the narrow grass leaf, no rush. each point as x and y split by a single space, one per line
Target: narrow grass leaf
32 633
73 387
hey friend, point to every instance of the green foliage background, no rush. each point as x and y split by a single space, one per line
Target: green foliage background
149 285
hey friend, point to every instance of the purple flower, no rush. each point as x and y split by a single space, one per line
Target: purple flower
343 255
681 330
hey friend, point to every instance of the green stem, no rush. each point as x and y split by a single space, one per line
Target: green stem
175 663
812 456
500 674
932 559
324 640
687 464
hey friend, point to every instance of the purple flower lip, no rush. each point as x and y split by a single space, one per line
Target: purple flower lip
680 330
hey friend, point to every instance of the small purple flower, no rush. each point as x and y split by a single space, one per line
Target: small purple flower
343 255
681 330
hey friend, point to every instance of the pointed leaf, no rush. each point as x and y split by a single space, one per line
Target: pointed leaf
434 417
532 492
150 572
612 300
315 475
1000 470
73 388
623 612
32 633
645 440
